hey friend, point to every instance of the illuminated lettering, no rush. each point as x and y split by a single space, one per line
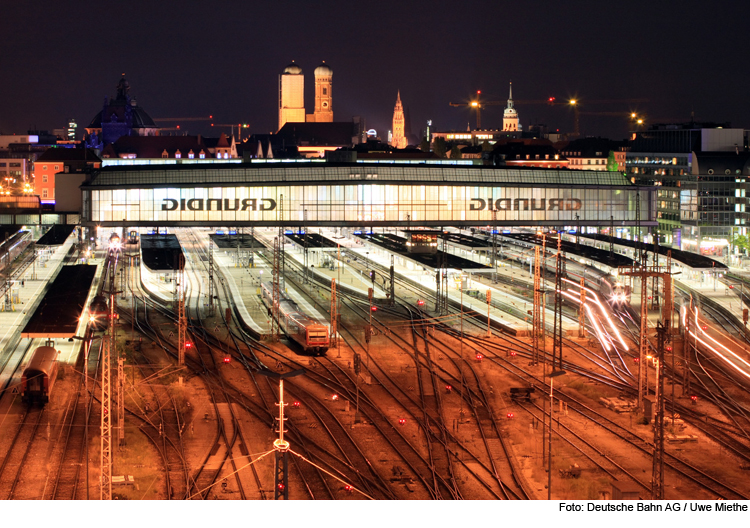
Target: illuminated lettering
271 204
573 204
169 204
503 204
534 204
553 204
521 204
249 202
482 204
217 201
195 204
236 204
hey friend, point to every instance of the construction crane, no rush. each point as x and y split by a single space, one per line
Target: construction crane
477 105
231 126
574 103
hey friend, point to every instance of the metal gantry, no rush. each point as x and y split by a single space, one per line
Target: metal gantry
657 473
121 399
493 257
109 345
211 278
334 313
644 272
536 318
181 317
581 311
276 287
441 279
558 331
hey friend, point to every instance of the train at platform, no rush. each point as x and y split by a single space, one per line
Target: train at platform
309 333
99 313
13 247
39 376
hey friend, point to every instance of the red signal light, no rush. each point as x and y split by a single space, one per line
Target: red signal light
480 357
448 388
513 353
704 327
281 485
401 421
335 397
373 308
188 345
296 404
731 286
694 399
227 359
510 416
348 488
669 349
420 302
637 360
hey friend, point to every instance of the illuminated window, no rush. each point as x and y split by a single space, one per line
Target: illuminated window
44 178
190 154
202 155
178 154
44 193
57 167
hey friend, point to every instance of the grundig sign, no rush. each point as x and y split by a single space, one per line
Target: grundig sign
524 204
197 204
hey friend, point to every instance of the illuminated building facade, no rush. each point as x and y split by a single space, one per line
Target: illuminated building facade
323 95
663 156
357 194
399 137
714 202
291 95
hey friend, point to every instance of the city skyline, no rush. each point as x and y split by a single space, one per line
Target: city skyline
184 62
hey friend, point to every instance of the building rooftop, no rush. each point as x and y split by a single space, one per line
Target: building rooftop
296 173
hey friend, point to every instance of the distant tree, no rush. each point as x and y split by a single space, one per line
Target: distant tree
438 147
455 152
612 162
741 242
424 146
486 147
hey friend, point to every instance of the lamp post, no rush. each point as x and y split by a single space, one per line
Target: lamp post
281 446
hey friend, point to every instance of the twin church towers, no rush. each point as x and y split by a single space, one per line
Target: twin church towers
292 95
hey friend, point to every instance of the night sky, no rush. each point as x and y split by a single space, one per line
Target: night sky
192 59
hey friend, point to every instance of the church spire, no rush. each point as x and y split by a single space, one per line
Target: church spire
510 96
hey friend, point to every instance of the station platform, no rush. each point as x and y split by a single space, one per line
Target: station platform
506 311
27 292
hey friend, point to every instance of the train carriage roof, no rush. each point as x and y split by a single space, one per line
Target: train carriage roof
42 360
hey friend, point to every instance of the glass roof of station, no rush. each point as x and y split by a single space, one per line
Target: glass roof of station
297 174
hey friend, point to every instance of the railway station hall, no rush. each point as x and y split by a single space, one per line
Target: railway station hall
320 193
